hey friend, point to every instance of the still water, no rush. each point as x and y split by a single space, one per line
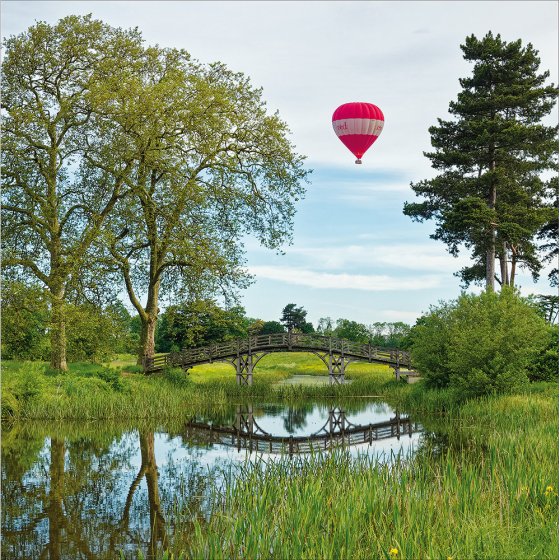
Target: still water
99 491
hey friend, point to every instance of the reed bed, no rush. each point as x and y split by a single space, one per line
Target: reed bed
87 391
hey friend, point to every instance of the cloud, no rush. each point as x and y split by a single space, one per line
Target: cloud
394 315
402 256
343 281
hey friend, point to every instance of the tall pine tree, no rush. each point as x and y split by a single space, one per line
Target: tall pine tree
489 194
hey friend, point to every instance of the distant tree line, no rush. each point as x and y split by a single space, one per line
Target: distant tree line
97 333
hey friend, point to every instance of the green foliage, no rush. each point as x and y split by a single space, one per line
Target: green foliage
176 376
198 323
547 306
544 365
98 334
394 335
93 378
208 166
549 233
351 330
430 345
93 333
293 318
271 327
50 214
488 195
479 344
25 315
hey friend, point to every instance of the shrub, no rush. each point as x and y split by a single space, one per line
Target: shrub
544 366
480 344
430 345
112 377
9 404
176 376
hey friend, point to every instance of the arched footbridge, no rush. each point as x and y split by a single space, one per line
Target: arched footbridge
245 353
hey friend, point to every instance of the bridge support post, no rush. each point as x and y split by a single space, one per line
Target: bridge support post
337 368
244 369
244 421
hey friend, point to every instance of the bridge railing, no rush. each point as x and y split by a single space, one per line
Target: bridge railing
291 341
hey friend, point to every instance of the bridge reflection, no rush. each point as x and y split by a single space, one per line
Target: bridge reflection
337 431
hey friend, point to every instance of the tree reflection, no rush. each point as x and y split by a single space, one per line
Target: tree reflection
295 417
52 509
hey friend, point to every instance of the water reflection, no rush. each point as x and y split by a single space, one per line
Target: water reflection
77 491
338 430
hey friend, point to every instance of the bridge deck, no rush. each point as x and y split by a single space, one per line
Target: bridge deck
279 342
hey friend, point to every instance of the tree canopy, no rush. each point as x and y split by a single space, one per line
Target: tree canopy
50 220
293 318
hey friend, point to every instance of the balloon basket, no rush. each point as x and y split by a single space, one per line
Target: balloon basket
359 161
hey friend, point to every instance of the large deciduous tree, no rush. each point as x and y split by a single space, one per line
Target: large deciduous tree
50 218
489 194
210 166
198 323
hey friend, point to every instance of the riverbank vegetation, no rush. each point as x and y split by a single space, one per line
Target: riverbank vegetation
484 486
483 483
35 391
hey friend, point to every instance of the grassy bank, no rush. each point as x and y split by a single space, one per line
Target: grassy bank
115 391
485 487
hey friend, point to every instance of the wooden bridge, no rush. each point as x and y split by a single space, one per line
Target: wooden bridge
245 353
338 431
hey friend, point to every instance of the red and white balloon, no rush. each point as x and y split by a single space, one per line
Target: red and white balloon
358 126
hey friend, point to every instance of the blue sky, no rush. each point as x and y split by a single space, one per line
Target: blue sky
355 255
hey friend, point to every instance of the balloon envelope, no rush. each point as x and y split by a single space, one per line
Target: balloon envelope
358 125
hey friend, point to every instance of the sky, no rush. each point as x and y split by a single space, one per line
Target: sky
354 254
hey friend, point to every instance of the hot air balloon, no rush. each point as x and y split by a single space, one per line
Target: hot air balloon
358 125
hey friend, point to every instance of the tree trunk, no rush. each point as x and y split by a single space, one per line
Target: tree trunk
491 249
149 320
490 267
512 275
58 331
55 510
504 265
147 338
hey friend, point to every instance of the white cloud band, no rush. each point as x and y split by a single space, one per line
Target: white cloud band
323 280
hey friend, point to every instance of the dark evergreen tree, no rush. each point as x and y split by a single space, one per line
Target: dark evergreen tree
488 194
293 317
549 234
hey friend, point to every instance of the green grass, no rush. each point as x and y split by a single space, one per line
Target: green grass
477 488
30 390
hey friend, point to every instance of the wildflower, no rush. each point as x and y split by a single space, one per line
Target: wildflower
393 552
549 490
